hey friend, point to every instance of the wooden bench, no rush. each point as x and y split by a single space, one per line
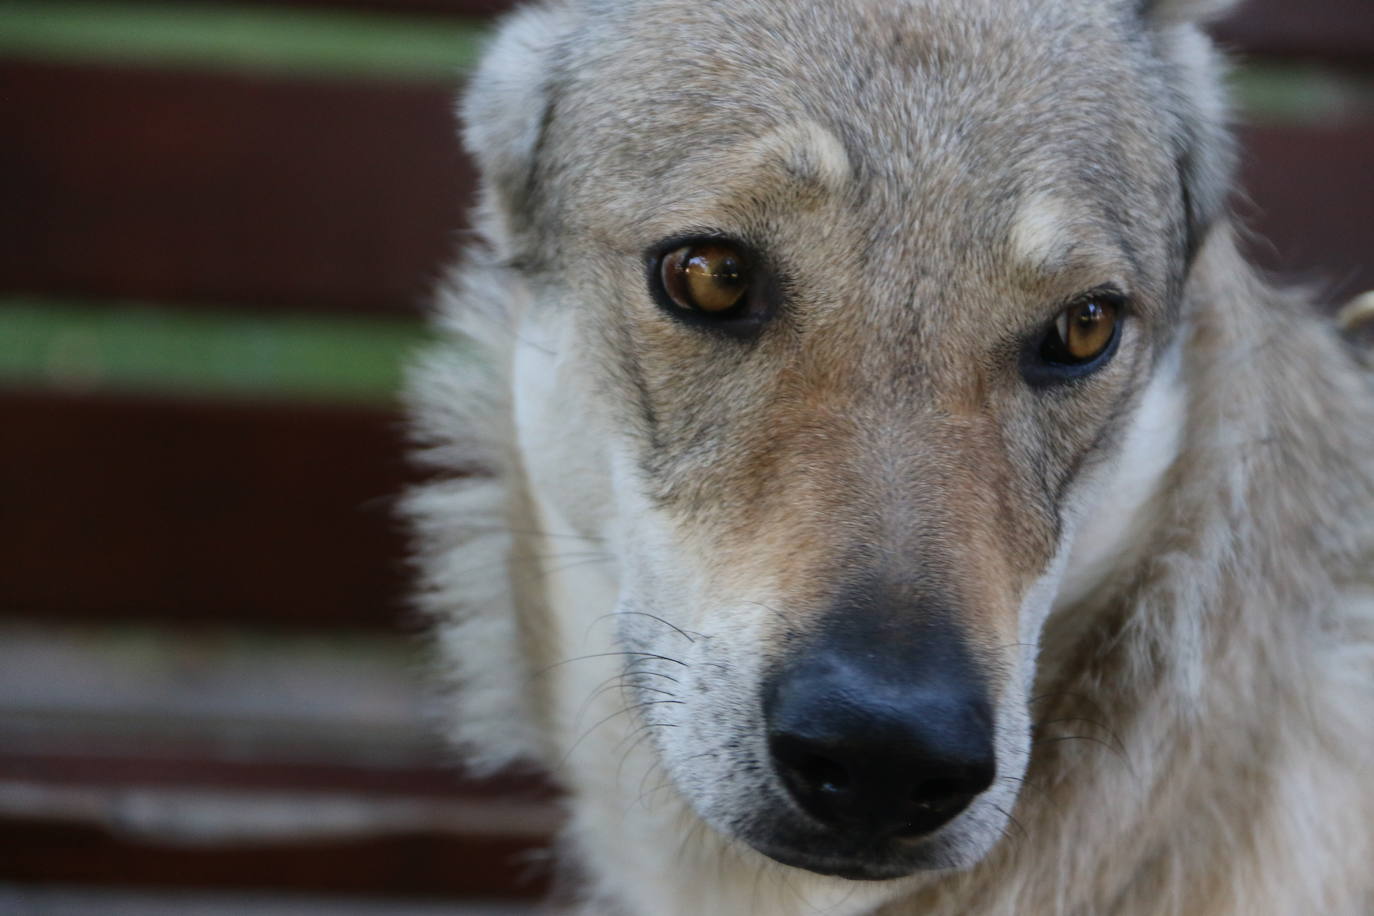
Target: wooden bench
174 540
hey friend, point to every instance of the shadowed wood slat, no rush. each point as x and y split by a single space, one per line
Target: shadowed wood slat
228 189
147 508
1309 199
1332 29
406 864
212 746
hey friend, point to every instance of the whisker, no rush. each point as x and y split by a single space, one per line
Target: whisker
532 532
618 712
674 627
1016 645
693 832
1095 740
631 670
1012 820
1073 695
1119 746
668 781
539 575
645 796
644 731
780 615
611 683
583 658
1024 784
518 563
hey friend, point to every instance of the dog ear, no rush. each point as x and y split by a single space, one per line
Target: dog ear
1195 73
505 110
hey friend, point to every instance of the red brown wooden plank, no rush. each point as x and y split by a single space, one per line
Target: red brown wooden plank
1332 29
1314 28
412 864
225 188
199 511
177 766
1310 199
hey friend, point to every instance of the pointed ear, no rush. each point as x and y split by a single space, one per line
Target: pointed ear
1199 109
505 110
1176 11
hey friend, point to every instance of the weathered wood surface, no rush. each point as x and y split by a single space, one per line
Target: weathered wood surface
126 507
198 187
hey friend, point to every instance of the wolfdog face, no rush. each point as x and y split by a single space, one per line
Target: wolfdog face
840 314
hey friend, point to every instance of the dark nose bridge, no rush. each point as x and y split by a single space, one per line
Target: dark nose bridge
907 615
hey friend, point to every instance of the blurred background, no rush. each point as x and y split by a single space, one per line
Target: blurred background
218 224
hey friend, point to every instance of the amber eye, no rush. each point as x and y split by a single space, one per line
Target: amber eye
1081 333
709 277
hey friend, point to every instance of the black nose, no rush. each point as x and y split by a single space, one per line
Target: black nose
873 750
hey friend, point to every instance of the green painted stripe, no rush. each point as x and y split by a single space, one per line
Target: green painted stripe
213 36
137 347
345 44
1277 93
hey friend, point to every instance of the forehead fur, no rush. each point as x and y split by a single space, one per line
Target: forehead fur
894 105
1041 228
708 73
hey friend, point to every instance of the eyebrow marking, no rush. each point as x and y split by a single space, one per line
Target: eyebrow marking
1041 230
808 152
1051 234
795 165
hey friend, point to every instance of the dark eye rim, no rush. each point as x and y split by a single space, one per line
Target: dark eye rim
744 320
1041 372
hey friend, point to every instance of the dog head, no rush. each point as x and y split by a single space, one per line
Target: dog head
840 316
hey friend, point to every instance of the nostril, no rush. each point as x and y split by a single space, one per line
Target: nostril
933 792
822 774
946 795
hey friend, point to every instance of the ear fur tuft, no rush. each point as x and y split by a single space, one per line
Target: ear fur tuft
505 108
1205 147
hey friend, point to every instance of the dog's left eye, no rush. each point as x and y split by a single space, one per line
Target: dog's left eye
1080 340
1082 332
710 277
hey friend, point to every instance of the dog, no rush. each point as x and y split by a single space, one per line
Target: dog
868 478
